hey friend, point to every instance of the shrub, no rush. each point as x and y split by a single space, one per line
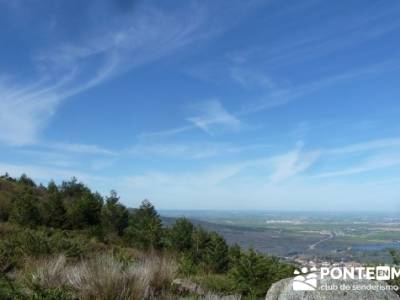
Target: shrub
5 207
216 283
9 290
254 273
25 211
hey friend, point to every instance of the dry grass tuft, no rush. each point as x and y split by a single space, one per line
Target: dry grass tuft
104 277
50 273
154 274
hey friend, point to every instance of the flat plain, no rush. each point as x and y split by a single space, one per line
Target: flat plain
306 236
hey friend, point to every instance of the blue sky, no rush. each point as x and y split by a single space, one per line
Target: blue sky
289 105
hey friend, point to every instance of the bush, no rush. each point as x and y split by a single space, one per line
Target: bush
10 291
25 211
216 283
187 266
5 207
254 273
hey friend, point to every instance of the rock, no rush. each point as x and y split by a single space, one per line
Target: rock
282 290
185 286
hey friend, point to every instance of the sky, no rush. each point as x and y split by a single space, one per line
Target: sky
236 105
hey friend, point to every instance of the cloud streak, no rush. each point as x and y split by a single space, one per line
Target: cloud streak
213 116
72 67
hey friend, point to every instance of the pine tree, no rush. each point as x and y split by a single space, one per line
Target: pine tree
234 254
217 254
145 227
114 215
252 275
201 242
25 180
54 211
179 236
85 210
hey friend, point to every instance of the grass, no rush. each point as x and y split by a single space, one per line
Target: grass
104 277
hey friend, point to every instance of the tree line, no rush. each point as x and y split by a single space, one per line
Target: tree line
73 206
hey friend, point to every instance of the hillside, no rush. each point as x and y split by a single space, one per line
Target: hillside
67 242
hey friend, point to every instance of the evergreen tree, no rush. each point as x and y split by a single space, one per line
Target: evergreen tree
25 180
234 254
217 254
114 215
201 242
52 188
85 210
145 227
25 211
54 211
73 189
179 236
253 274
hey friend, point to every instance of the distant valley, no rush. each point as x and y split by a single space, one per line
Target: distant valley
305 236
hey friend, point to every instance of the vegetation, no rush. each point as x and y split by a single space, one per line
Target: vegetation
396 262
67 242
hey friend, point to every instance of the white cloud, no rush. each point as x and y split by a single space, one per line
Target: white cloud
292 163
213 117
24 111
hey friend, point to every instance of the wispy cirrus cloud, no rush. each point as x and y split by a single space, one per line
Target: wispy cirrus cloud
25 110
307 43
81 149
71 66
209 116
189 151
366 146
283 95
250 78
213 116
292 163
376 162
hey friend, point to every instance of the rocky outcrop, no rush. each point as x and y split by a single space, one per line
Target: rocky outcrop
360 290
185 286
